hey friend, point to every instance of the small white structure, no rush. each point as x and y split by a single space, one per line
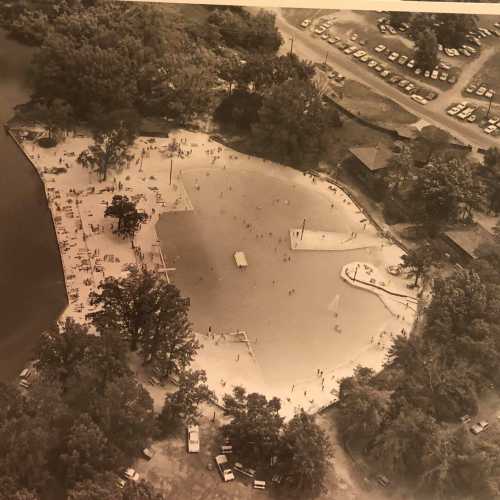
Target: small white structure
240 259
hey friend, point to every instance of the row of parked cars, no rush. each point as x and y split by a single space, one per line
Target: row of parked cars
227 474
385 27
480 89
420 95
466 112
440 72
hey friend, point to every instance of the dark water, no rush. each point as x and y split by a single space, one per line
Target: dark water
32 292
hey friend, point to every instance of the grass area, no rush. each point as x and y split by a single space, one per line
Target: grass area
490 73
374 107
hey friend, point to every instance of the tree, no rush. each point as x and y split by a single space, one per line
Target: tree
293 122
87 451
129 219
418 261
141 490
110 150
432 140
149 311
124 413
101 487
61 350
491 171
255 425
182 405
397 18
304 455
446 192
426 50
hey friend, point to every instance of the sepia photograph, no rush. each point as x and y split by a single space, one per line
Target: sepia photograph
249 252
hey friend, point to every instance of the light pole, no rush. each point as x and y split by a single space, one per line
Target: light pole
303 227
489 106
326 57
171 167
291 45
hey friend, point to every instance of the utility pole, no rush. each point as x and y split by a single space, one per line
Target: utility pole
326 57
303 227
291 45
489 106
171 167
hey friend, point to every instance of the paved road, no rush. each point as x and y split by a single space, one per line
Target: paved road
314 49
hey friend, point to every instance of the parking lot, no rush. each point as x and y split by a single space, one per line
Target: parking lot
388 52
477 115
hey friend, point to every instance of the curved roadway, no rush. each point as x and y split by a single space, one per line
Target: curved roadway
314 49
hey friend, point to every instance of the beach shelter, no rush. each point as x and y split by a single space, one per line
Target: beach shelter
240 259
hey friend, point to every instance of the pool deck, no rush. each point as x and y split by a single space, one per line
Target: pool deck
90 251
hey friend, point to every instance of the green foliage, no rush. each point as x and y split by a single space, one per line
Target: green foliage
426 50
146 309
239 109
182 405
255 425
110 150
240 30
418 261
87 451
304 456
129 219
101 487
293 122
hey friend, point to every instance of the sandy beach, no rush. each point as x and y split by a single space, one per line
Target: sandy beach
282 338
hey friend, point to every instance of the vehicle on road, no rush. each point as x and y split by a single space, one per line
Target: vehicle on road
224 468
479 427
419 99
193 439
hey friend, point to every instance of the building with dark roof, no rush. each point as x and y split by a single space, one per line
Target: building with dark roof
466 240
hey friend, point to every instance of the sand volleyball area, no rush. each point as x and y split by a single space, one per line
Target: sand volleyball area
289 324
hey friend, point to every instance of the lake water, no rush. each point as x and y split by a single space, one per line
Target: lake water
32 292
295 333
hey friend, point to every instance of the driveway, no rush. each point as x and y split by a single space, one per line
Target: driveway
314 49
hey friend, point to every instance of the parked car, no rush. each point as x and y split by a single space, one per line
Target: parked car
193 439
393 56
365 58
465 419
325 36
443 76
359 53
148 453
383 481
480 426
379 48
481 91
354 37
339 78
319 31
372 64
431 95
385 74
434 74
382 28
333 40
403 83
332 75
453 111
305 23
395 79
444 66
392 31
224 468
488 130
493 121
131 475
472 118
489 94
471 89
419 99
411 64
259 485
452 80
449 52
418 71
403 60
120 482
